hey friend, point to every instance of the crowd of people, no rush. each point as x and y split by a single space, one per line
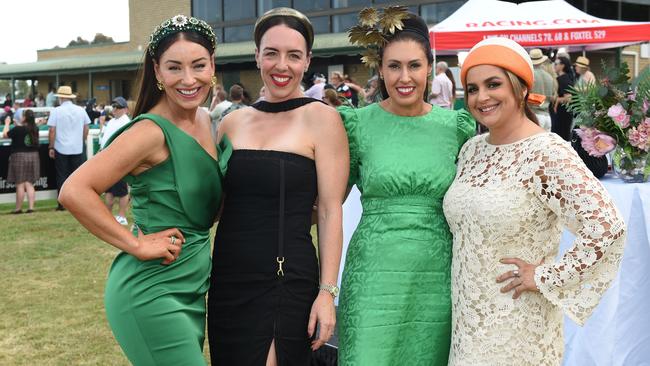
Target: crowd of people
68 126
453 261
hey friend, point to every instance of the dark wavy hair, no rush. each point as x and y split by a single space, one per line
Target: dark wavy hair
149 94
415 30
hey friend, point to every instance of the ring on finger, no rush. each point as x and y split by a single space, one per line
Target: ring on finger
515 273
173 239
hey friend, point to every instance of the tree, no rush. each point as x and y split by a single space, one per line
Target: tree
5 88
78 42
100 39
22 89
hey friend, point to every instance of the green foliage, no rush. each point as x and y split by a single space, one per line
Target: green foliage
642 84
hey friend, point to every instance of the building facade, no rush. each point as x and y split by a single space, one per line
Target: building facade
106 71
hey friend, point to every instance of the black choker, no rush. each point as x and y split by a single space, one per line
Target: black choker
283 106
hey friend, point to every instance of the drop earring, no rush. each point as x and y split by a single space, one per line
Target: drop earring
160 85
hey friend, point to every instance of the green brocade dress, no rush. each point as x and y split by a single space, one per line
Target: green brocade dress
157 312
395 306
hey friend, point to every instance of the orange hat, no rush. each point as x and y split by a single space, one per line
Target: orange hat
502 52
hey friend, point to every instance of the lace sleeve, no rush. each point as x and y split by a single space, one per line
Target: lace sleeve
578 280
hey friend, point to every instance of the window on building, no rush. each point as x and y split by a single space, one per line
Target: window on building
240 9
238 34
321 24
265 5
219 33
342 23
349 3
435 13
208 10
311 5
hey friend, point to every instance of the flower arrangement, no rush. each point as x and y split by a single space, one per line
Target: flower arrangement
614 115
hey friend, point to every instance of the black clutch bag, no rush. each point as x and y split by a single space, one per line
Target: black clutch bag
598 166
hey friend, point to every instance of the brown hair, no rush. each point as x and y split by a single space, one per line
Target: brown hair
332 97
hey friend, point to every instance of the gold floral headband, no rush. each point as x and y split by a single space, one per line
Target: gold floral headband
374 30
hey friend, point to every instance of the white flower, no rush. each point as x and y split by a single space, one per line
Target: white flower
179 20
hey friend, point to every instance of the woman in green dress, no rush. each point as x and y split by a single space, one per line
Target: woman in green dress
155 293
395 306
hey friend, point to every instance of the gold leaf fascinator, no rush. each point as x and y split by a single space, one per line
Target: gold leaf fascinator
376 28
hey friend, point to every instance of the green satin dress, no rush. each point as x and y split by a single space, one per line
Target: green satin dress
395 305
157 312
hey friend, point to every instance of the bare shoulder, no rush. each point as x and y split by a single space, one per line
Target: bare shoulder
322 116
236 117
145 134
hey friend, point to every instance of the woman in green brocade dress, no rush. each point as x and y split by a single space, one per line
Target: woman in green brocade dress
395 306
155 292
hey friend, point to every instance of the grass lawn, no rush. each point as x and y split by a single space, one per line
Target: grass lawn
52 308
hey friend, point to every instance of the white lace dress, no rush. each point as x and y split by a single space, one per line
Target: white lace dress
514 200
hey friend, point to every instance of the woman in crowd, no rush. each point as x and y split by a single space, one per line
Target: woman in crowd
371 94
155 293
289 152
450 75
563 122
395 307
24 161
516 188
331 97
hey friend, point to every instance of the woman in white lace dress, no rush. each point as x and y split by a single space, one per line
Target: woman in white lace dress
516 188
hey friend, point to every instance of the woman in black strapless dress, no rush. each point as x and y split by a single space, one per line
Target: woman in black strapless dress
264 301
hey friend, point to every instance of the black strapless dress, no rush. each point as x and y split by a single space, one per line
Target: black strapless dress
264 266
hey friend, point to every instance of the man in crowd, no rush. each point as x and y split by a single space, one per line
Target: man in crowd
219 108
582 69
544 86
119 189
236 98
68 129
50 99
316 90
441 87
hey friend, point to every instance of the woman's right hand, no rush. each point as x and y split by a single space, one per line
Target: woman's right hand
163 244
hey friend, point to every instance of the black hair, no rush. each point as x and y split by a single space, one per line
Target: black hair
149 94
290 22
414 29
568 68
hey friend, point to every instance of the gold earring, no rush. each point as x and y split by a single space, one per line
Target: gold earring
213 81
160 85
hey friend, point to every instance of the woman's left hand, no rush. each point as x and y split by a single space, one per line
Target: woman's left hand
523 278
323 314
